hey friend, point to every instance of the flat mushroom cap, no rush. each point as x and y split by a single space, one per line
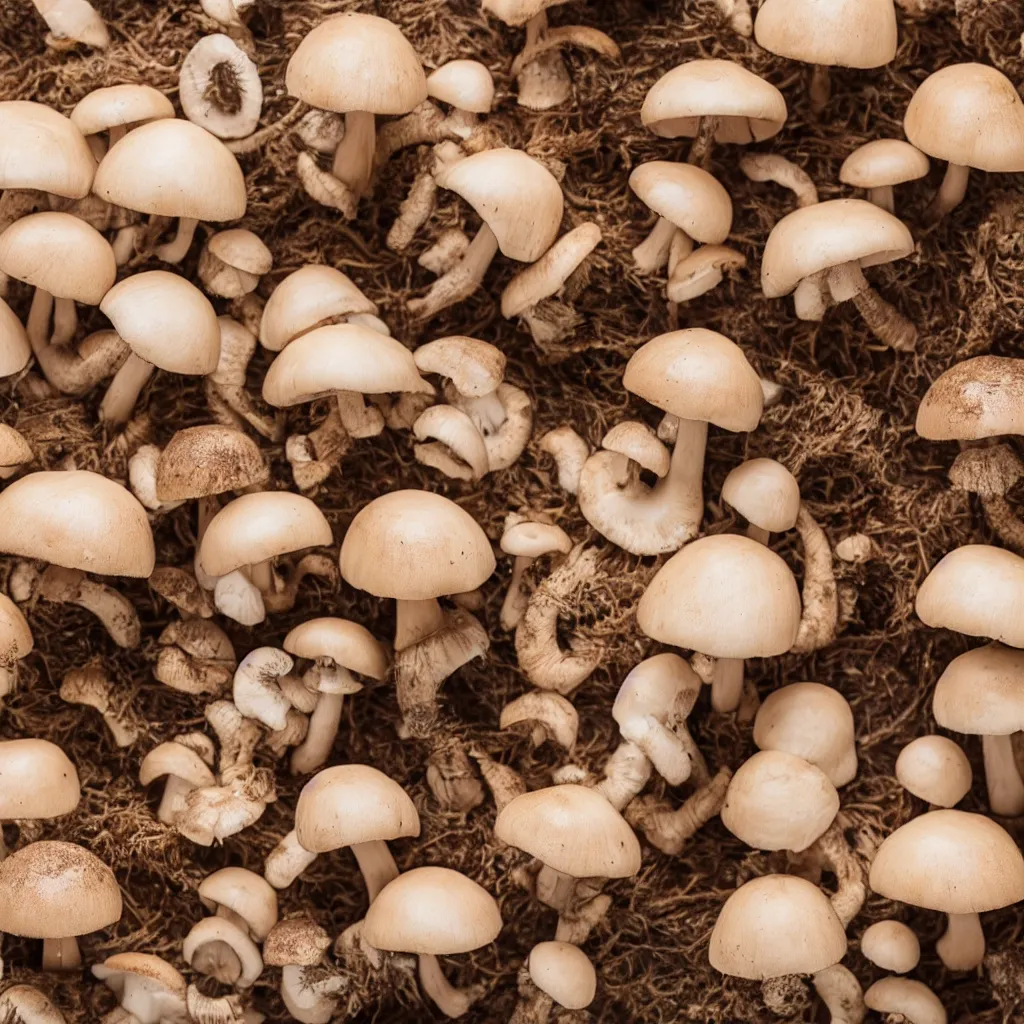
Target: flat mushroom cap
260 526
978 398
341 357
953 861
836 33
686 195
41 149
352 803
36 780
765 493
826 235
249 895
115 970
173 168
15 351
749 109
463 84
202 461
60 254
935 769
357 62
563 972
978 590
432 911
15 634
77 520
241 249
725 596
475 367
119 105
697 374
892 946
413 546
883 162
981 693
51 890
166 320
905 999
776 925
970 115
572 829
346 643
516 196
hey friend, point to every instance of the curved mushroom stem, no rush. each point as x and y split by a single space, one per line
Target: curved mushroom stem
841 992
727 684
452 1002
61 954
883 196
1005 788
832 850
65 321
887 324
287 861
323 728
415 620
626 773
376 864
962 946
544 81
124 390
819 596
652 253
776 168
353 159
177 249
1004 521
820 88
461 281
416 209
669 830
703 141
951 193
516 599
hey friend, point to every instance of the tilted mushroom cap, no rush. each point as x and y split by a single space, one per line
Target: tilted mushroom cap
516 196
345 642
116 969
572 829
980 397
531 539
687 196
353 803
638 442
935 769
883 162
765 493
28 1006
811 721
77 520
517 12
976 589
415 545
166 320
726 596
15 350
178 760
968 114
119 105
211 459
776 925
905 999
827 235
42 149
173 168
563 972
15 634
60 254
51 890
256 527
463 84
981 693
952 861
341 357
306 298
36 780
651 688
475 367
840 33
433 911
241 249
15 451
297 940
249 895
891 945
749 109
357 62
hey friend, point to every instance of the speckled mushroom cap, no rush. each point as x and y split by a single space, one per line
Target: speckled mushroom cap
202 461
116 969
245 893
685 195
765 493
776 925
15 451
344 642
891 945
298 940
51 890
935 769
883 162
563 972
463 84
42 149
36 780
15 350
952 861
980 397
118 105
15 633
981 693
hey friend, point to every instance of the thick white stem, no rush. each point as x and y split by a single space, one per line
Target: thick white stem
452 1002
172 803
652 253
727 684
882 195
124 390
124 244
1005 788
177 249
376 864
61 954
323 727
685 478
416 620
962 947
353 159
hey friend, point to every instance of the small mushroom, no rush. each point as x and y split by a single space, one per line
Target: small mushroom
905 999
115 110
256 692
91 687
24 1003
232 262
879 165
527 537
73 21
196 656
148 988
766 494
15 643
935 769
892 946
468 88
569 451
184 769
39 782
555 974
220 89
295 945
549 716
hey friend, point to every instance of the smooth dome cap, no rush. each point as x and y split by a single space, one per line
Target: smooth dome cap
36 780
115 970
118 105
765 493
346 643
245 893
242 249
978 398
202 461
77 520
883 162
981 693
563 972
891 945
463 84
687 196
906 999
41 149
15 350
934 769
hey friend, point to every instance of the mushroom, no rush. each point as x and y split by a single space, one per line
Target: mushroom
468 88
935 769
569 451
72 21
698 377
148 988
548 716
15 350
766 494
116 109
727 597
527 536
954 862
969 115
231 263
906 1000
434 912
826 246
776 168
25 1004
878 165
71 586
183 767
55 892
15 643
220 89
295 945
555 974
195 656
220 949
256 691
92 687
891 945
39 782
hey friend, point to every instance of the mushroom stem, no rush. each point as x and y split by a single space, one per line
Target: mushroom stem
1004 521
951 192
414 211
669 830
461 281
703 141
886 323
172 803
61 954
840 991
176 250
727 684
820 89
652 253
775 168
124 390
543 82
452 1002
516 600
882 196
759 534
376 864
1005 788
962 946
323 728
810 299
416 620
626 773
124 244
287 861
819 596
353 159
65 321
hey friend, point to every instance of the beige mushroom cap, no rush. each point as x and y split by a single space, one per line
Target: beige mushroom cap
726 596
166 320
978 590
15 451
257 527
297 940
839 33
968 114
981 693
172 168
935 769
42 149
36 780
353 803
119 105
15 634
475 367
765 493
60 254
202 461
77 520
828 235
572 829
563 972
697 374
357 62
776 925
52 890
687 196
638 442
463 84
952 861
241 249
749 109
531 539
883 162
980 397
905 999
517 12
892 946
413 546
115 969
249 895
346 643
178 760
15 351
516 196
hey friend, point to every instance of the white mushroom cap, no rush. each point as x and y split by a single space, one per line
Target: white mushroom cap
686 195
892 946
149 988
883 162
765 493
638 442
563 972
241 249
981 692
463 84
247 894
905 999
118 105
531 539
935 769
44 150
476 368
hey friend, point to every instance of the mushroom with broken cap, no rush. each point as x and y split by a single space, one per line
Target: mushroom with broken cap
935 769
39 782
15 643
148 988
220 89
892 946
196 656
878 165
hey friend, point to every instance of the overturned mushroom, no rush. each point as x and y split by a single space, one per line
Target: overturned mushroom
73 21
219 88
776 168
90 686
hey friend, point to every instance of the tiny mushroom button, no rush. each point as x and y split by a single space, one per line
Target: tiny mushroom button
766 494
892 946
935 769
